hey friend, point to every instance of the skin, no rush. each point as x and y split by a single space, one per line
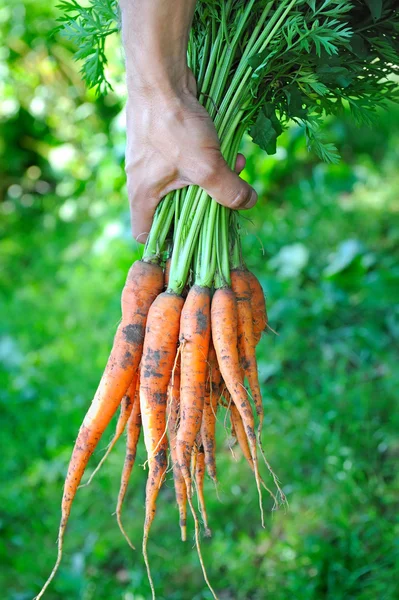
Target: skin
171 140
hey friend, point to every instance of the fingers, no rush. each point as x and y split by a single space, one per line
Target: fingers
142 208
240 163
226 187
141 219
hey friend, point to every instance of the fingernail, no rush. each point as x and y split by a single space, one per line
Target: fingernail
252 200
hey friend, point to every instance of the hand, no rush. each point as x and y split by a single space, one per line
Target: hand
172 143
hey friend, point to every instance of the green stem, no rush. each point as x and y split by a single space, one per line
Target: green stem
236 258
186 235
207 271
224 242
159 229
209 70
244 71
204 61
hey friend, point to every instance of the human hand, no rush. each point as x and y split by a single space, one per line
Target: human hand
172 143
171 139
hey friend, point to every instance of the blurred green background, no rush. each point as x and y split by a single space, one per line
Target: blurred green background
323 241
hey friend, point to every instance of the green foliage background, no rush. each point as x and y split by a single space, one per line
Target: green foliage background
324 242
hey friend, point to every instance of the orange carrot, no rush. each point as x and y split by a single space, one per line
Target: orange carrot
173 413
239 433
199 482
245 339
224 321
247 350
258 303
133 435
195 334
144 282
125 412
212 393
160 345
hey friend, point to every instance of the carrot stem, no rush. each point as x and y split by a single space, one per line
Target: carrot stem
159 229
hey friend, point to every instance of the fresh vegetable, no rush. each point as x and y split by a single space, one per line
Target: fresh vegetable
124 415
224 335
173 419
199 469
258 304
133 435
143 283
195 332
160 346
208 432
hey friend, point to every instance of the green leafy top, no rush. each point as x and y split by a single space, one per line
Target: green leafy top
87 28
318 56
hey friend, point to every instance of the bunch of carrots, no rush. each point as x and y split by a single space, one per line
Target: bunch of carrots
192 314
174 360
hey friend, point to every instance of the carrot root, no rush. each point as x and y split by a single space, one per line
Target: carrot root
126 410
199 484
198 546
160 346
224 334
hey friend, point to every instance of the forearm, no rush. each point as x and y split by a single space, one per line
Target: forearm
155 37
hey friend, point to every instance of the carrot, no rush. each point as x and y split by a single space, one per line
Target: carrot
258 303
199 482
143 283
195 334
246 341
160 345
239 433
133 435
124 415
247 349
209 415
224 321
173 414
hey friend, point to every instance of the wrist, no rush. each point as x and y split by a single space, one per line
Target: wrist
156 77
155 38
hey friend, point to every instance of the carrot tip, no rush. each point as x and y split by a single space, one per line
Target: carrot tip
123 532
183 531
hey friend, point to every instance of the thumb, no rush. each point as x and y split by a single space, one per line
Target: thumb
226 187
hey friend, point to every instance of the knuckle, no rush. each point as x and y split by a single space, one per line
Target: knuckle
240 198
208 172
